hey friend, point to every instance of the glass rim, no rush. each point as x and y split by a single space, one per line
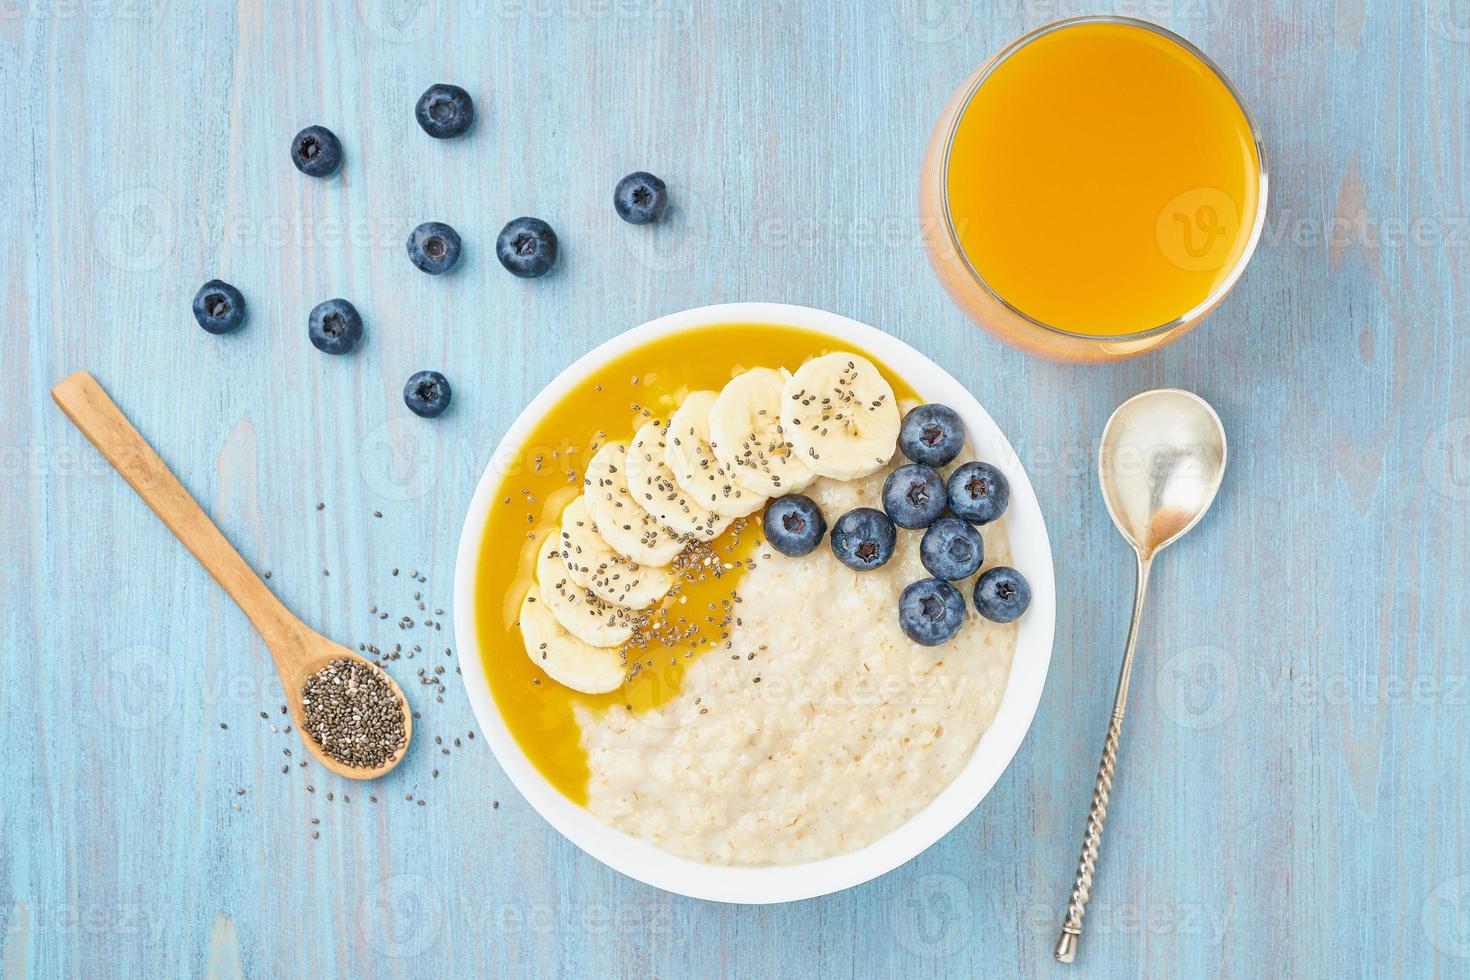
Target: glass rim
1190 316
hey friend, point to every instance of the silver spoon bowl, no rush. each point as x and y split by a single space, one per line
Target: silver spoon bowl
1160 464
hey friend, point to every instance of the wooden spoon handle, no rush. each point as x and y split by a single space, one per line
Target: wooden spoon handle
101 421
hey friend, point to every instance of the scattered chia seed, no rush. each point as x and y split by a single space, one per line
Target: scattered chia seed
353 713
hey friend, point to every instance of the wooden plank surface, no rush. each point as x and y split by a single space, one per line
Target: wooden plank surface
1293 793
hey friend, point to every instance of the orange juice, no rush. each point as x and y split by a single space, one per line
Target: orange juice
1099 184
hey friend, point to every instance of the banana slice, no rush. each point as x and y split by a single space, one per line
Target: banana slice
590 619
653 487
696 468
566 659
746 434
841 416
626 527
602 571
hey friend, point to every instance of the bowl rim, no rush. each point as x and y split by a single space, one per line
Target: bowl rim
644 861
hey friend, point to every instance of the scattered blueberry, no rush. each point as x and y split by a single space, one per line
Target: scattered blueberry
316 151
863 538
794 525
931 611
640 198
427 394
914 495
433 247
1002 594
445 111
952 549
219 307
978 492
932 434
526 247
334 327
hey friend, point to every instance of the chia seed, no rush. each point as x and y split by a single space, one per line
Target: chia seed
353 713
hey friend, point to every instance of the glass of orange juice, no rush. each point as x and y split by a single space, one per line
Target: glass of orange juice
1093 190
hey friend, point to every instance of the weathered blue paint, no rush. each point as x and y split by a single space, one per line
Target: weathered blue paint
1292 797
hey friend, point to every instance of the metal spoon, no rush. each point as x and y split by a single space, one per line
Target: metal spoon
1160 463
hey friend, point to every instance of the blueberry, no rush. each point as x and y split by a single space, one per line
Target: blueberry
978 492
219 307
427 394
952 549
334 327
526 247
914 495
316 151
1002 594
932 434
434 247
863 538
794 525
931 611
445 111
640 198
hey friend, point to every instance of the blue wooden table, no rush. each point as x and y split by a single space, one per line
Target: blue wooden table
1293 788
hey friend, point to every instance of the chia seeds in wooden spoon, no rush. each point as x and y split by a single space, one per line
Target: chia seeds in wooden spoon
353 713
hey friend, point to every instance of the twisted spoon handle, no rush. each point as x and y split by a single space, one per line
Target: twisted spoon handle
1066 950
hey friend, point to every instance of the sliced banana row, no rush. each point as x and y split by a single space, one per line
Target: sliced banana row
586 616
654 488
594 565
696 468
565 658
747 436
718 458
841 416
629 528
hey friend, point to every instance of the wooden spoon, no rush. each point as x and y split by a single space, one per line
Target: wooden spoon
297 650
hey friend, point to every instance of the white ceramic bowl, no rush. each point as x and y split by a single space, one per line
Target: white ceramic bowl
1031 553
